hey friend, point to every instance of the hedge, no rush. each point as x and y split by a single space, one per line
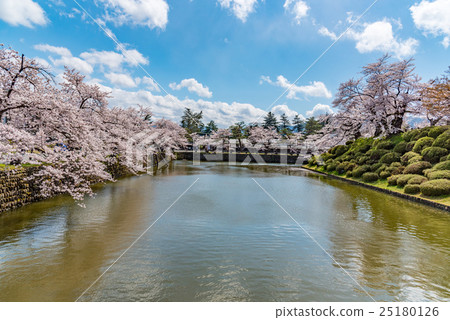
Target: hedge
437 131
404 179
392 180
407 156
439 174
390 157
442 165
359 171
422 143
370 177
433 154
412 189
417 167
440 187
443 141
417 180
401 147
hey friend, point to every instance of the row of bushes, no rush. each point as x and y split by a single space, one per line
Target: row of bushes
417 160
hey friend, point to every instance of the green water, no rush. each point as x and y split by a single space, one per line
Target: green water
227 240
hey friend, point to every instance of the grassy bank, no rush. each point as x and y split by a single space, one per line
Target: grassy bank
416 163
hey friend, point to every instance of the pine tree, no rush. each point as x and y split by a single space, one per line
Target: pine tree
192 121
312 126
210 128
285 123
298 123
270 121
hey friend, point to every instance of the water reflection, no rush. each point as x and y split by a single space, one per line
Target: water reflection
226 241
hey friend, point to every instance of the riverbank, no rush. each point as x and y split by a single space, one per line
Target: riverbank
441 202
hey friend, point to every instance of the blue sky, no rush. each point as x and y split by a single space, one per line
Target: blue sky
230 58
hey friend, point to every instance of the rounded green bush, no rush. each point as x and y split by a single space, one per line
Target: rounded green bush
390 157
433 154
410 146
407 156
439 174
437 131
440 187
359 171
443 140
411 135
370 177
380 169
442 165
415 159
349 174
417 167
401 147
417 180
403 179
375 167
362 160
422 143
312 161
344 167
385 174
412 189
330 167
376 154
339 150
426 172
386 144
396 165
392 180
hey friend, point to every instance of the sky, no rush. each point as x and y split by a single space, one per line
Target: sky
233 59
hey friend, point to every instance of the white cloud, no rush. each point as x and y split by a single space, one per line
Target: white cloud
121 80
152 14
315 89
282 108
377 36
151 84
240 8
327 33
193 86
66 58
433 18
298 8
114 60
319 109
23 12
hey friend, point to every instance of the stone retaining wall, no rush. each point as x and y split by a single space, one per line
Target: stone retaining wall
240 157
15 189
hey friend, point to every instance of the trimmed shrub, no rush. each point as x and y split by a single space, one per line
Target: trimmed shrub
390 157
312 161
370 177
401 147
396 164
385 174
349 174
392 180
407 156
417 180
410 146
375 167
415 159
330 167
426 172
395 170
403 179
422 143
412 189
417 167
439 174
380 169
442 165
376 154
411 135
344 167
359 171
443 141
437 131
386 144
440 187
433 154
339 150
362 160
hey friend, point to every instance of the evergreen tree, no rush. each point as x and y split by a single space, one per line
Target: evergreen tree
239 131
192 121
270 121
285 123
210 127
312 126
298 123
